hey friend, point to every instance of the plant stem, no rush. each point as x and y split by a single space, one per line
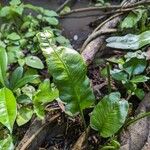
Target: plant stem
108 76
84 123
112 7
142 115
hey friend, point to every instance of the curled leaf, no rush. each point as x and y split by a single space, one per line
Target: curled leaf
129 41
69 73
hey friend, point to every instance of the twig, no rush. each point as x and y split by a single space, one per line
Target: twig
101 14
104 8
128 97
95 35
142 115
108 76
63 5
29 141
147 87
107 20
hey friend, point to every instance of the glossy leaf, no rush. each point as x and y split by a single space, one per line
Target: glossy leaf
109 115
119 75
34 62
24 80
24 100
15 2
45 94
8 108
129 41
51 20
24 115
139 93
4 11
3 65
13 36
15 76
135 66
7 144
132 19
50 13
139 78
69 73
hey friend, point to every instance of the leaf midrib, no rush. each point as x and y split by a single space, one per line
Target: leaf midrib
69 74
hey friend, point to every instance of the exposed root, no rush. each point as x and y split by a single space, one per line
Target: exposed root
91 47
67 2
108 8
95 35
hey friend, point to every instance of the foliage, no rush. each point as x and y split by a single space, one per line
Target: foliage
109 115
130 71
69 73
25 29
137 16
8 108
6 144
112 144
129 41
46 93
20 65
19 29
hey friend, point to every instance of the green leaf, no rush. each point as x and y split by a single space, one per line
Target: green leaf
15 2
15 76
51 20
24 100
30 34
139 93
4 11
119 75
24 115
129 41
3 65
28 90
109 115
12 52
46 93
39 110
140 78
65 10
24 80
18 10
32 71
34 62
7 144
13 36
62 40
50 13
8 108
69 73
34 8
132 19
135 66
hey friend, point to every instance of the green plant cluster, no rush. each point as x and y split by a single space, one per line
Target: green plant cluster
24 92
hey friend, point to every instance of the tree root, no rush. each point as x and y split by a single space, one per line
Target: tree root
90 48
67 2
36 133
95 35
108 8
